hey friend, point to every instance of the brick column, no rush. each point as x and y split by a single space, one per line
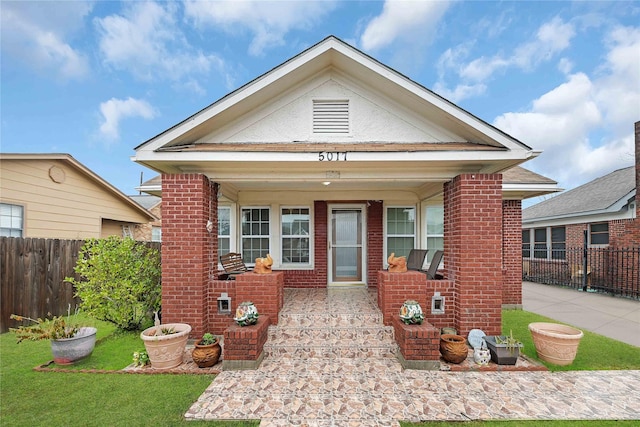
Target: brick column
512 253
265 291
189 251
395 288
375 257
473 250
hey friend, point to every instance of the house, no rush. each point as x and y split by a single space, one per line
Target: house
55 196
151 231
330 162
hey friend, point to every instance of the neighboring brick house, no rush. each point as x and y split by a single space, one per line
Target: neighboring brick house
330 162
151 231
602 212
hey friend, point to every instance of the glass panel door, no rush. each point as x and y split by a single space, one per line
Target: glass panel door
346 245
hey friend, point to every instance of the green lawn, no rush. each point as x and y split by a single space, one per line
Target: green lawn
31 398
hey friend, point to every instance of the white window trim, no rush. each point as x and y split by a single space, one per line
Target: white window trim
269 236
296 266
386 234
24 214
589 232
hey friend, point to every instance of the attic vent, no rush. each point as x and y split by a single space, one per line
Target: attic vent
331 116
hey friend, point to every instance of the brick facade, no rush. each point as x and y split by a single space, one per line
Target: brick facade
246 342
417 342
266 291
375 241
189 251
511 252
473 250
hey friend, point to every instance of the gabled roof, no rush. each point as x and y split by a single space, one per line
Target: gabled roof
82 169
609 193
147 201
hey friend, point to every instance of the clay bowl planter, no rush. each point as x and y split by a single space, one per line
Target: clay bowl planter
206 355
555 343
453 348
67 351
166 351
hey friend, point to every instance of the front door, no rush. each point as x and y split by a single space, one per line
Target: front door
346 248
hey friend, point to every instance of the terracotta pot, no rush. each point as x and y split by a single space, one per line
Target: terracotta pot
555 343
453 348
166 351
67 351
205 356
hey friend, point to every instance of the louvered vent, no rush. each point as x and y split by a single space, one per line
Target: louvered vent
331 116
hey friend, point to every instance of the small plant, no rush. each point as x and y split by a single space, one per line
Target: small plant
509 341
208 339
140 358
167 331
58 327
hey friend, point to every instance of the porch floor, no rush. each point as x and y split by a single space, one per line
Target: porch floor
312 377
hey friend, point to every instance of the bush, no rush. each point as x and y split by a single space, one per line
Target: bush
120 281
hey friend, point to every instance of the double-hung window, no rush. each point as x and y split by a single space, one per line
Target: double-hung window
11 220
401 230
540 243
255 238
435 230
526 243
224 230
599 233
295 235
558 243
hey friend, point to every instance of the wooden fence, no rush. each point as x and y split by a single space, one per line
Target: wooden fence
32 273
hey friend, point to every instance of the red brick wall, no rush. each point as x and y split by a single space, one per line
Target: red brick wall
266 291
189 252
473 248
395 288
417 342
375 257
245 342
512 252
219 322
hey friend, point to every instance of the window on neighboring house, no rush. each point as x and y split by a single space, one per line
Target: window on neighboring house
558 243
401 230
11 220
526 243
599 233
540 243
255 234
295 235
331 116
224 230
435 230
156 234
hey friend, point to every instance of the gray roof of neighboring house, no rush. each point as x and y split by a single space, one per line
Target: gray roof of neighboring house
146 201
597 195
520 175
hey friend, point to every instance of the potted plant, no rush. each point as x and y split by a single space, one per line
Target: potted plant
555 343
504 349
206 351
165 344
70 342
453 348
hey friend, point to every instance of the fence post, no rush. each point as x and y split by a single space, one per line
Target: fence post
585 254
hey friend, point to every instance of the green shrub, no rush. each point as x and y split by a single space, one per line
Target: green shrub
120 281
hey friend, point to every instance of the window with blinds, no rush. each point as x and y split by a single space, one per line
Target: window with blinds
331 116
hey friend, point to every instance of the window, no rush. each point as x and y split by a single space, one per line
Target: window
435 230
11 220
156 234
295 235
540 243
255 234
331 116
526 243
401 230
558 245
224 230
599 233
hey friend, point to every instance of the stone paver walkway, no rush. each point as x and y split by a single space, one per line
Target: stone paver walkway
289 390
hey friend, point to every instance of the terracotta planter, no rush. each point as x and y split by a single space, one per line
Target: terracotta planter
166 351
205 356
67 351
555 343
453 348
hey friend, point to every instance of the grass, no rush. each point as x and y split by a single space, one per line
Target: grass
31 398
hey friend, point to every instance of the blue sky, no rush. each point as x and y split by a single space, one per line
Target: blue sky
96 79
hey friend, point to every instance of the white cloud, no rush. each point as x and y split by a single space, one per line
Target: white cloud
147 42
585 125
115 110
269 22
551 38
37 33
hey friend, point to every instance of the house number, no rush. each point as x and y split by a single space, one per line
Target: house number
328 156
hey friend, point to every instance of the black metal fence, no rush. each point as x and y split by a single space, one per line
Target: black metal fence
610 270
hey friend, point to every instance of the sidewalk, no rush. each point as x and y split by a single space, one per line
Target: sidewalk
617 318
